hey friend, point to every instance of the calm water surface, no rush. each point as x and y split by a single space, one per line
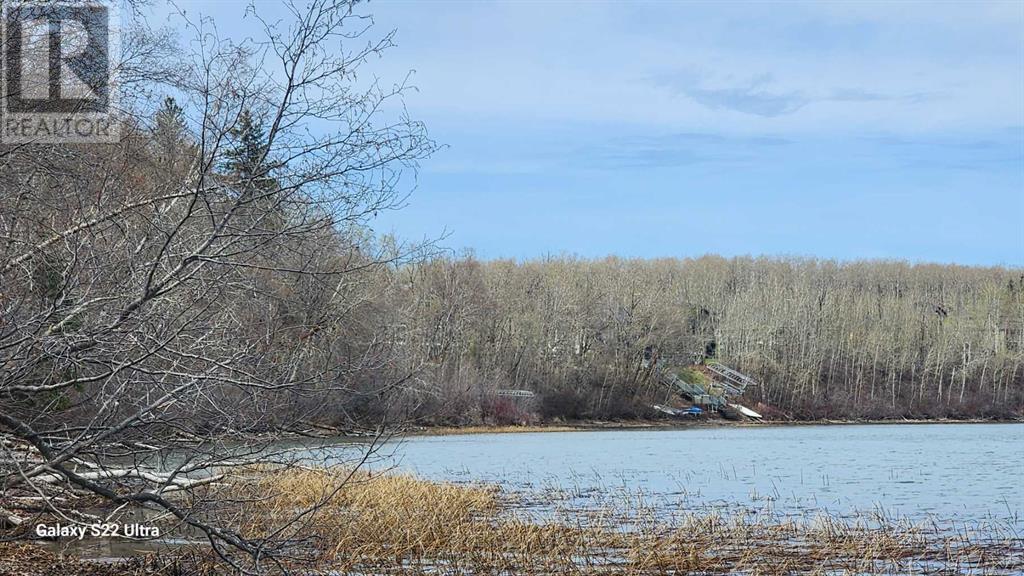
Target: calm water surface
950 474
960 472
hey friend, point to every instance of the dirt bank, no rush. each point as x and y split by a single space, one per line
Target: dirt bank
591 425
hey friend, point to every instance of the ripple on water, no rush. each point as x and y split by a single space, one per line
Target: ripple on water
914 471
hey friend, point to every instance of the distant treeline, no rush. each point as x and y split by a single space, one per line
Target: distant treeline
870 339
251 299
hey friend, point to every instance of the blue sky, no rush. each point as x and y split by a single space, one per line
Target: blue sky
860 130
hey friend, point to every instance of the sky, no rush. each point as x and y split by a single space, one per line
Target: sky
676 129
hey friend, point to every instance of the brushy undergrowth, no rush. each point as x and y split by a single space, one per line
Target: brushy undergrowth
397 524
527 429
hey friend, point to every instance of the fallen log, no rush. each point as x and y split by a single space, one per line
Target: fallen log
9 519
167 482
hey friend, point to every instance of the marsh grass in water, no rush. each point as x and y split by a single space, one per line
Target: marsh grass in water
364 522
397 524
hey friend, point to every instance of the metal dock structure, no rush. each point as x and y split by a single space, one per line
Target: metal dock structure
715 395
694 392
734 381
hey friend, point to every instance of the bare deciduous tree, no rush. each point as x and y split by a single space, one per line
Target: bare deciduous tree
204 276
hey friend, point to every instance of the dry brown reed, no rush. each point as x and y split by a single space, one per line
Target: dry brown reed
397 524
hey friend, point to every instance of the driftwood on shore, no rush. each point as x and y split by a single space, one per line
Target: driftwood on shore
31 487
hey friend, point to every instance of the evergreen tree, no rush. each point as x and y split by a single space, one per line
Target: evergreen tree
169 123
247 158
172 144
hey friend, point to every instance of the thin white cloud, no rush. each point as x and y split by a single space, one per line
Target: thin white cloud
793 67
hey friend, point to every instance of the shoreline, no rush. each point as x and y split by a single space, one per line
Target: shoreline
394 521
659 425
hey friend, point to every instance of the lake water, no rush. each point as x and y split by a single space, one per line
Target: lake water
949 475
965 473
